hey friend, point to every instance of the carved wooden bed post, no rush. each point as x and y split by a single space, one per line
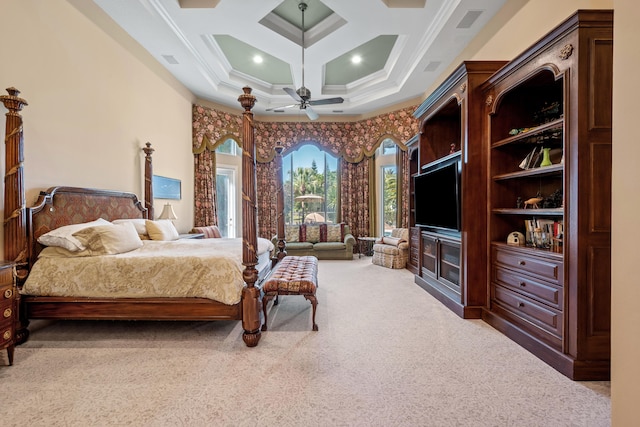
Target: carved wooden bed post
15 220
251 301
280 203
148 180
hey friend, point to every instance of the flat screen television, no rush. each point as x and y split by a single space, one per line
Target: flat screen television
437 195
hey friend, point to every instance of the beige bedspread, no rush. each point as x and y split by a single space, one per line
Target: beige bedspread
206 268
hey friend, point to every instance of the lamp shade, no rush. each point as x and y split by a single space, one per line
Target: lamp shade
168 212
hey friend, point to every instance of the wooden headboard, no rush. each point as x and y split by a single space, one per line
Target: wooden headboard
60 206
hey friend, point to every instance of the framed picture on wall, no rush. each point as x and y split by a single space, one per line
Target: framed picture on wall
166 188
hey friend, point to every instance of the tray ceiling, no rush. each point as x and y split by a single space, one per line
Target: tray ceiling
210 46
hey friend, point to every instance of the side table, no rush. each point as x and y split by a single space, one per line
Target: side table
365 245
8 309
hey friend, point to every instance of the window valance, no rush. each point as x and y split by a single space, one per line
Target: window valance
351 141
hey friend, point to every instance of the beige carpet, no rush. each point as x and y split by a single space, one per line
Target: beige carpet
386 354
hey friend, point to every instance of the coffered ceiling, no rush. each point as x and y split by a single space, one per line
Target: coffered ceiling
211 47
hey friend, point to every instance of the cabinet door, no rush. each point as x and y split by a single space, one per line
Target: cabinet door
414 247
429 253
449 263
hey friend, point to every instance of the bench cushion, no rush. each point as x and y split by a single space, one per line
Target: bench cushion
294 274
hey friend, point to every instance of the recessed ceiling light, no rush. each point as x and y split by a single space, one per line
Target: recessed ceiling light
257 59
356 59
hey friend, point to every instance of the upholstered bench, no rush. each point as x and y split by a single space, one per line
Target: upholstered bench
293 275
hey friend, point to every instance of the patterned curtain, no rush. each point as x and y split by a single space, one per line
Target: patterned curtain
267 193
402 162
354 195
373 202
205 212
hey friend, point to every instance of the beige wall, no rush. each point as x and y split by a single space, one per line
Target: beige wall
93 104
625 376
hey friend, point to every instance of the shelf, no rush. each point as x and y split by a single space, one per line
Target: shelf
532 136
441 160
529 212
450 264
534 172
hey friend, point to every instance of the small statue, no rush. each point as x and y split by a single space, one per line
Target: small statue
554 200
533 202
518 202
452 149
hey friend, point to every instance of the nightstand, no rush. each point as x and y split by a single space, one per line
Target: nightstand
191 236
8 309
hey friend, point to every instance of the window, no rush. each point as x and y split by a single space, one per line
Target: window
310 179
230 147
389 202
387 187
388 147
228 163
225 200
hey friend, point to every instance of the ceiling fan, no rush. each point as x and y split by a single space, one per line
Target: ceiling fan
303 95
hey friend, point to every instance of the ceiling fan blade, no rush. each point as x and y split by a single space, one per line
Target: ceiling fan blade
327 101
292 93
280 108
310 113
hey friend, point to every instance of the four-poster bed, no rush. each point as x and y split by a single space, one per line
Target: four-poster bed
60 206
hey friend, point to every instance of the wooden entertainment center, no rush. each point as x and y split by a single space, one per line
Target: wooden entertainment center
450 262
534 136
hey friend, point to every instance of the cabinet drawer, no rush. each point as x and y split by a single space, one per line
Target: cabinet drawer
6 335
533 312
538 290
544 268
7 294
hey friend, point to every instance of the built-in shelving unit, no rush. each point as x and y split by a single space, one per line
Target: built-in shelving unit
553 294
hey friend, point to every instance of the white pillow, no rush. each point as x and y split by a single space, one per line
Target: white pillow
110 239
138 223
63 236
162 230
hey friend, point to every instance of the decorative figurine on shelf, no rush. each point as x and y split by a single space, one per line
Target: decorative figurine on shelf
533 202
548 113
519 203
452 149
554 200
515 238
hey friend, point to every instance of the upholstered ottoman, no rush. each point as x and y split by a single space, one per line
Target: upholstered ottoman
293 275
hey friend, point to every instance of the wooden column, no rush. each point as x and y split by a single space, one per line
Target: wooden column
148 180
280 204
15 223
251 301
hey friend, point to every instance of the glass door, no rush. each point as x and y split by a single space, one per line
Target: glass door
226 190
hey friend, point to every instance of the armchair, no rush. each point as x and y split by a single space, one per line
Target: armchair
392 251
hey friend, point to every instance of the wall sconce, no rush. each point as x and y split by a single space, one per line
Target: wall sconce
168 213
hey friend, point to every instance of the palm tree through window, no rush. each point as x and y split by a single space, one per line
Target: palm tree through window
388 186
310 178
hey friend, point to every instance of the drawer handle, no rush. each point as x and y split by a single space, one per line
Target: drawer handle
6 335
520 304
7 313
522 263
8 293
